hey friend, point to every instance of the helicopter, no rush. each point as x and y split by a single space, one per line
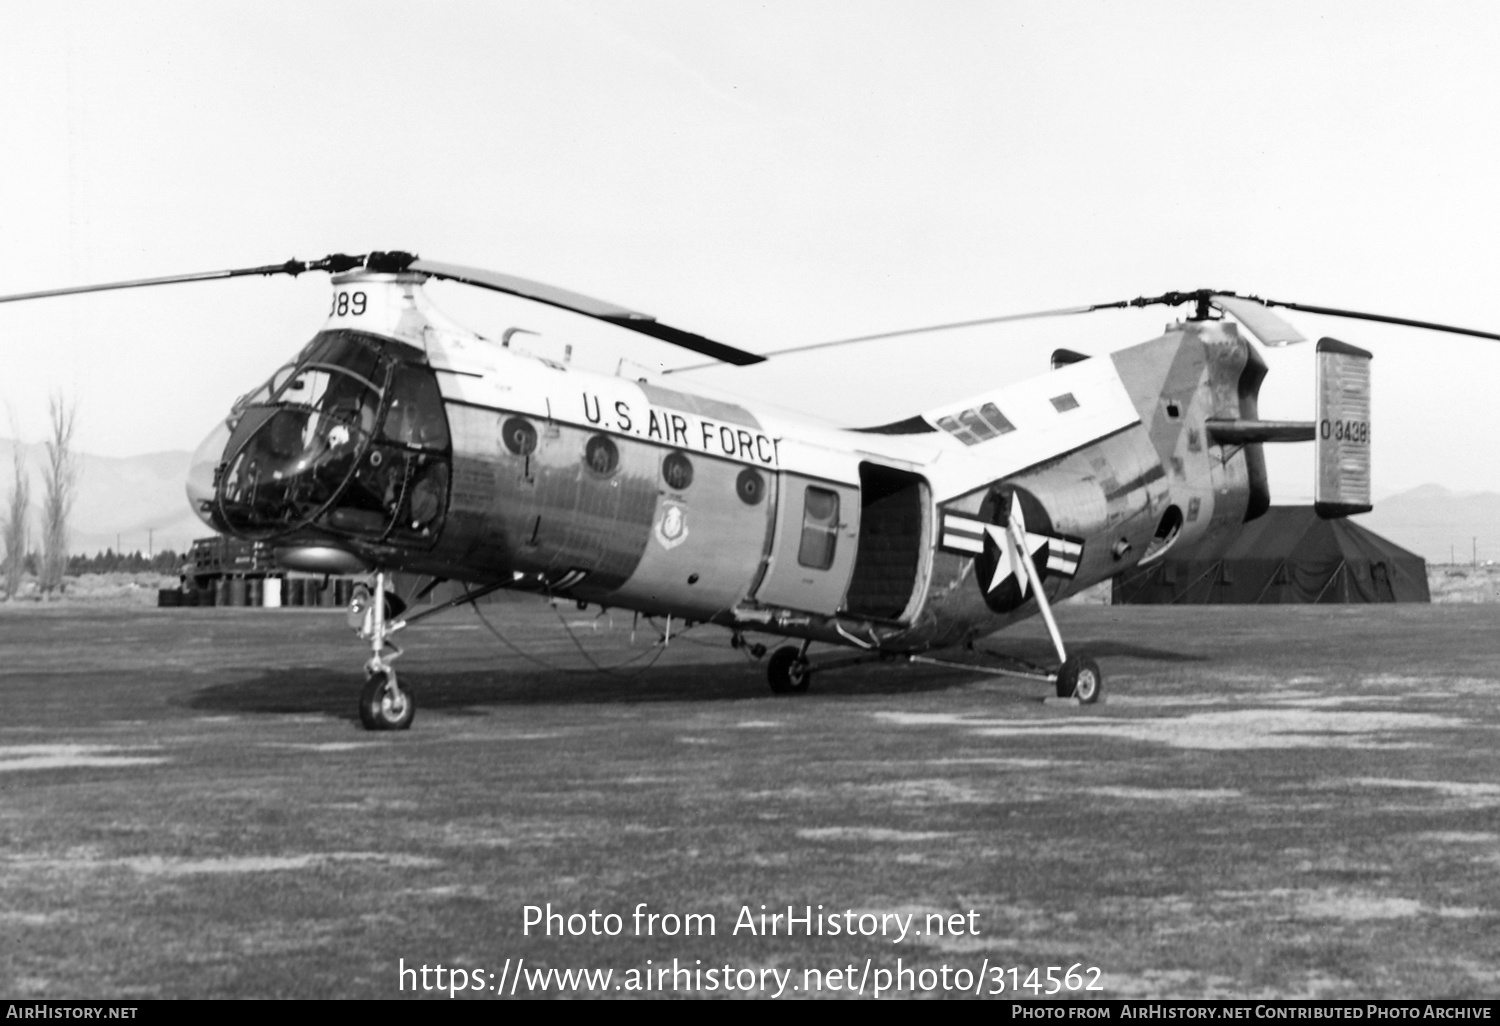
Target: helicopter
399 442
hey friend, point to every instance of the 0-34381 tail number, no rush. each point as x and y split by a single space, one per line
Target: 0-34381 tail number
1357 431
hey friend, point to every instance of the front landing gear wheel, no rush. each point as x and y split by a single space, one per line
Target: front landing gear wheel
383 705
789 671
1080 678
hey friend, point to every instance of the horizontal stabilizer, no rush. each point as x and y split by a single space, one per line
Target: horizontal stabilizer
1246 432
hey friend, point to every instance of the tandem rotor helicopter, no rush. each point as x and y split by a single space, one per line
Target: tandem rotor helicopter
397 441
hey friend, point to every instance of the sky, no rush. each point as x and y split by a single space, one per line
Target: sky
767 174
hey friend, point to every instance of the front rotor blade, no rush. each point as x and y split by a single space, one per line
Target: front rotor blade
936 327
525 288
918 331
336 262
576 302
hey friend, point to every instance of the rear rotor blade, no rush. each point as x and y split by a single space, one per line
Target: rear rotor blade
1256 319
1262 323
1381 318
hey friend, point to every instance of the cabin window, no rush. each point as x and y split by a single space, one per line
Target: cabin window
957 430
991 414
750 487
820 525
601 456
1065 402
519 436
977 425
677 471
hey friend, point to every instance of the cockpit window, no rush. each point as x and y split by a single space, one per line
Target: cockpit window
414 413
351 438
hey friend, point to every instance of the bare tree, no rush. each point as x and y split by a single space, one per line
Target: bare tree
59 487
15 526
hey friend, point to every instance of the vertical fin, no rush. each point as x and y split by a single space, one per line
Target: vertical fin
1343 439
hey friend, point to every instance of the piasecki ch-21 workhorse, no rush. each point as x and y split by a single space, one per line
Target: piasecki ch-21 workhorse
397 441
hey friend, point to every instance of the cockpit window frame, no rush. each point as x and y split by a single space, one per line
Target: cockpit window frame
298 369
387 360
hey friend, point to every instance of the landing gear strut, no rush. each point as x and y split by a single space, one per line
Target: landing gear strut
382 703
1076 677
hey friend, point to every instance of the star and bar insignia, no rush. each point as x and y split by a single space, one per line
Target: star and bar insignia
1054 555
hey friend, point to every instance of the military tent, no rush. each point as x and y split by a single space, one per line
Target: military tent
1288 555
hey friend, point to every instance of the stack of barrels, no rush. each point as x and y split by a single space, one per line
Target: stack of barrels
267 592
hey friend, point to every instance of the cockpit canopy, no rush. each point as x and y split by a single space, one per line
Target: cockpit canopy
350 439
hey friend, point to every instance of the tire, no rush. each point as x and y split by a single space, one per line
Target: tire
383 705
788 671
1080 678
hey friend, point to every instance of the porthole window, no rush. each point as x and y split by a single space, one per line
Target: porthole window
677 471
519 436
750 487
601 456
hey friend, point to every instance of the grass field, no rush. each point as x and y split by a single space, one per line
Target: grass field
1283 801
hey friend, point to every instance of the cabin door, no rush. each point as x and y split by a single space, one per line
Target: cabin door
892 541
812 557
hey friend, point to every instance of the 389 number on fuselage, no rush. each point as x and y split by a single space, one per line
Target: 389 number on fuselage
348 304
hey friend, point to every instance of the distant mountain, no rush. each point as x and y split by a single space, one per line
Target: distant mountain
129 502
1439 524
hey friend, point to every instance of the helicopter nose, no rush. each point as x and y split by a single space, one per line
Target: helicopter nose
202 471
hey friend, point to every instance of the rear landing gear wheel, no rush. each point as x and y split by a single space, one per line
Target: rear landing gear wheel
1080 678
789 671
383 705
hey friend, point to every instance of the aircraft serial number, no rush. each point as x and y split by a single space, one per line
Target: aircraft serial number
1357 431
689 431
348 304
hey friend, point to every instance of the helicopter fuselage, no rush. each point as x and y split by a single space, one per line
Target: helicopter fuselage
401 441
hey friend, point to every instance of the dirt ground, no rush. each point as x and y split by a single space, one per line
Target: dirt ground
1283 801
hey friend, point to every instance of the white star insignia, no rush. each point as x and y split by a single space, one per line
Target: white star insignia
1009 561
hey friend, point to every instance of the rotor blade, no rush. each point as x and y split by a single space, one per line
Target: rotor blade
918 331
335 263
1261 322
526 289
538 292
937 327
1356 315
